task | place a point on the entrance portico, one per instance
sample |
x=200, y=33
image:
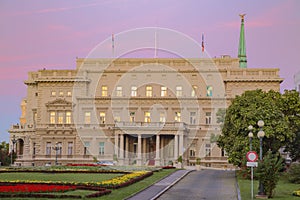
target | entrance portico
x=149, y=145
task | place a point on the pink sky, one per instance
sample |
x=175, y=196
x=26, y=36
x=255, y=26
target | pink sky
x=52, y=33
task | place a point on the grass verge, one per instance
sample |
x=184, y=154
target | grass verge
x=283, y=190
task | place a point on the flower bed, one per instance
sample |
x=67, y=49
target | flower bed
x=297, y=193
x=22, y=188
x=44, y=190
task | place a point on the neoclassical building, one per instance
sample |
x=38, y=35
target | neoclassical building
x=134, y=111
x=297, y=81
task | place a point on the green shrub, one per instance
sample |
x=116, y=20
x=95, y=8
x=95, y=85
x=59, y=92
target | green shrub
x=268, y=172
x=294, y=173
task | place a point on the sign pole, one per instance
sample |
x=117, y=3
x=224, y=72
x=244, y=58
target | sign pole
x=251, y=182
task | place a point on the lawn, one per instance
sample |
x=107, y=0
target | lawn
x=116, y=194
x=283, y=190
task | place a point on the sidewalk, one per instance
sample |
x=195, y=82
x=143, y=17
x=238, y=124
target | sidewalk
x=157, y=189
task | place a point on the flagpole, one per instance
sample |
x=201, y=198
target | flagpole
x=155, y=44
x=113, y=45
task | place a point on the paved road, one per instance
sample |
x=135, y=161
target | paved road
x=204, y=185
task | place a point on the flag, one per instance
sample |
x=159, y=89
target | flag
x=202, y=42
x=113, y=45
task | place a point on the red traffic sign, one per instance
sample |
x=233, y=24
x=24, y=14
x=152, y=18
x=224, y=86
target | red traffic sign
x=252, y=156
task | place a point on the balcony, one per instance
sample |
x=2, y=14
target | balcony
x=152, y=125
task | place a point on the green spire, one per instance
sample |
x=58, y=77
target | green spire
x=242, y=45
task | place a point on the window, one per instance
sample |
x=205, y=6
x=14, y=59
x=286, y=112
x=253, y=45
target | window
x=104, y=91
x=133, y=91
x=223, y=152
x=148, y=91
x=70, y=148
x=59, y=150
x=207, y=150
x=69, y=93
x=68, y=117
x=52, y=117
x=177, y=116
x=119, y=91
x=102, y=117
x=53, y=93
x=61, y=93
x=34, y=150
x=162, y=117
x=178, y=91
x=192, y=117
x=87, y=117
x=147, y=117
x=60, y=119
x=101, y=148
x=117, y=117
x=208, y=118
x=34, y=117
x=48, y=148
x=163, y=91
x=86, y=148
x=194, y=89
x=209, y=91
x=132, y=116
x=192, y=153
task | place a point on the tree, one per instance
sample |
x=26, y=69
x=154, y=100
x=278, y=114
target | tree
x=278, y=111
x=4, y=155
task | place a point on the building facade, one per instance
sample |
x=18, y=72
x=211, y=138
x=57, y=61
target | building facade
x=134, y=111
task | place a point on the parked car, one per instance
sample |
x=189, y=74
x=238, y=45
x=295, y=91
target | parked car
x=105, y=163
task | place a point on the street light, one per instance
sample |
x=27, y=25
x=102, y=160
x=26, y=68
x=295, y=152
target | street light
x=56, y=148
x=250, y=135
x=260, y=135
x=12, y=149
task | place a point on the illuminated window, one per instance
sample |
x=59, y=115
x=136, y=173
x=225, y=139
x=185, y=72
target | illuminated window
x=209, y=91
x=117, y=117
x=102, y=117
x=119, y=92
x=61, y=93
x=208, y=117
x=60, y=118
x=69, y=93
x=148, y=91
x=162, y=117
x=87, y=117
x=178, y=91
x=177, y=116
x=70, y=148
x=53, y=93
x=133, y=91
x=101, y=148
x=147, y=117
x=163, y=91
x=104, y=91
x=68, y=117
x=52, y=117
x=194, y=89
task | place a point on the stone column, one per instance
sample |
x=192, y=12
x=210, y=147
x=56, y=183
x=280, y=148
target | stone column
x=181, y=145
x=121, y=156
x=117, y=145
x=157, y=150
x=175, y=147
x=127, y=150
x=139, y=158
x=144, y=150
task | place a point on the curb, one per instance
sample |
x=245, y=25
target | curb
x=171, y=185
x=237, y=188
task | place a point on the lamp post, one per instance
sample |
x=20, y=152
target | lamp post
x=260, y=135
x=56, y=148
x=12, y=149
x=250, y=135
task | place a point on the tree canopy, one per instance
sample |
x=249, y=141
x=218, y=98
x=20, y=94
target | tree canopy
x=280, y=113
